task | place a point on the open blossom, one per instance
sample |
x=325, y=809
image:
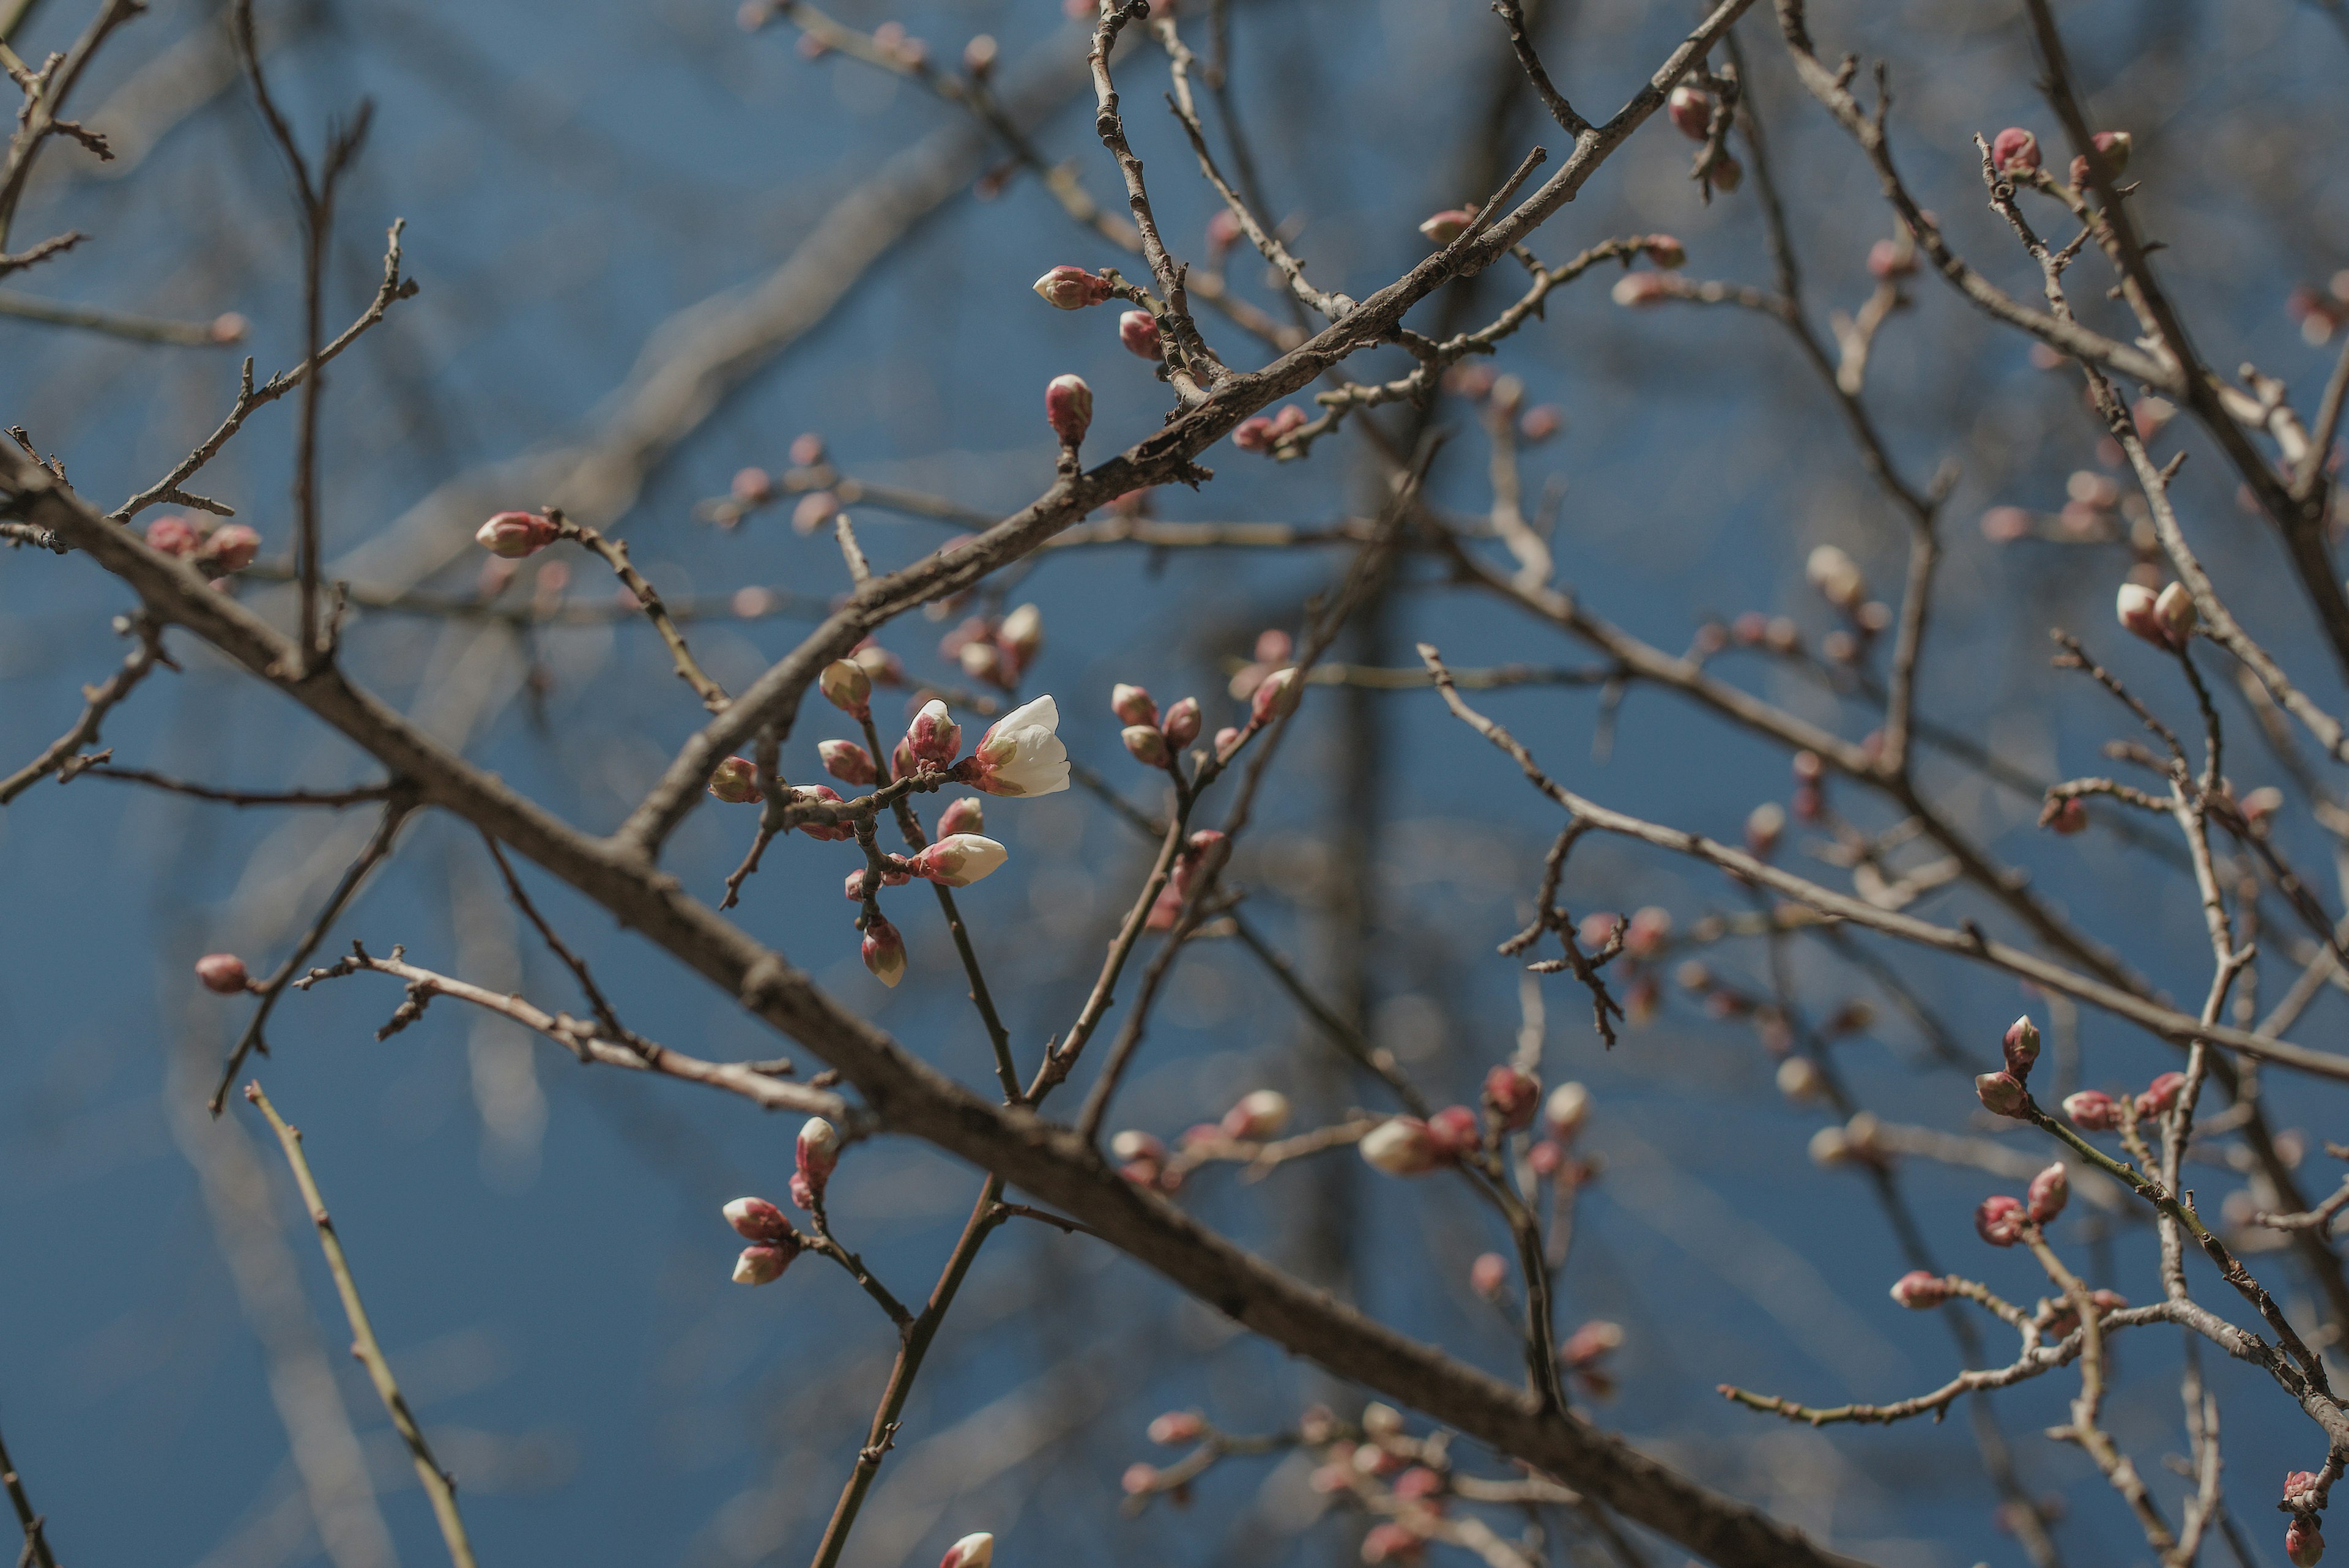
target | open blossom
x=514, y=534
x=1400, y=1146
x=976, y=1551
x=958, y=859
x=1020, y=753
x=1257, y=1116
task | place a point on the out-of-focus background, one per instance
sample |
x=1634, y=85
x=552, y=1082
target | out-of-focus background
x=654, y=248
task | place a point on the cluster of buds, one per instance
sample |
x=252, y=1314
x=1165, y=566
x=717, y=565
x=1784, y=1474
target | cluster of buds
x=2093, y=1110
x=1692, y=110
x=1074, y=288
x=774, y=1243
x=217, y=549
x=514, y=534
x=996, y=650
x=2303, y=1543
x=816, y=1154
x=2166, y=619
x=1154, y=738
x=223, y=973
x=1202, y=854
x=2001, y=1220
x=1407, y=1146
x=1265, y=432
x=2004, y=1093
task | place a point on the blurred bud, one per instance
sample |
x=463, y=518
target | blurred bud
x=1764, y=825
x=1454, y=1131
x=2048, y=1192
x=1177, y=1426
x=1511, y=1095
x=1447, y=226
x=1635, y=289
x=735, y=781
x=1546, y=1157
x=958, y=859
x=228, y=328
x=756, y=1219
x=1069, y=408
x=1690, y=109
x=1917, y=1290
x=971, y=1552
x=514, y=534
x=2000, y=1094
x=1259, y=1116
x=1181, y=725
x=2261, y=803
x=2161, y=1094
x=2000, y=1220
x=1400, y=1146
x=984, y=662
x=1135, y=1144
x=1837, y=576
x=2133, y=607
x=2005, y=525
x=1728, y=173
x=1665, y=251
x=1223, y=231
x=979, y=55
x=1071, y=288
x=222, y=972
x=1591, y=1340
x=847, y=762
x=1799, y=1079
x=2093, y=1110
x=1138, y=330
x=965, y=816
x=230, y=548
x=763, y=1265
x=2065, y=816
x=751, y=486
x=884, y=951
x=1890, y=259
x=815, y=509
x=1487, y=1275
x=1830, y=1147
x=1228, y=740
x=1146, y=745
x=2014, y=150
x=1568, y=1107
x=1382, y=1421
x=934, y=737
x=2174, y=608
x=174, y=535
x=1277, y=697
x=2022, y=1046
x=1541, y=422
x=846, y=686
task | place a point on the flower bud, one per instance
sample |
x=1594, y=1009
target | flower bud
x=2300, y=1488
x=1227, y=742
x=1400, y=1146
x=1021, y=635
x=1277, y=697
x=1392, y=1542
x=1591, y=1340
x=1727, y=173
x=933, y=736
x=1071, y=288
x=1177, y=1426
x=735, y=781
x=1146, y=744
x=1568, y=1107
x=174, y=535
x=847, y=762
x=222, y=972
x=1837, y=576
x=1181, y=725
x=228, y=327
x=1799, y=1079
x=756, y=1219
x=1069, y=408
x=1917, y=1290
x=2014, y=150
x=1511, y=1095
x=1487, y=1275
x=752, y=485
x=514, y=534
x=1447, y=226
x=971, y=1552
x=2174, y=608
x=2065, y=816
x=1454, y=1131
x=2048, y=1192
x=1665, y=251
x=2093, y=1110
x=1133, y=705
x=2022, y=1046
x=1134, y=1144
x=883, y=952
x=1257, y=1116
x=230, y=548
x=1690, y=108
x=2000, y=1220
x=2133, y=607
x=821, y=795
x=984, y=661
x=1541, y=422
x=1764, y=825
x=959, y=859
x=2002, y=1093
x=2302, y=1543
x=1635, y=289
x=1138, y=330
x=1892, y=259
x=2161, y=1094
x=846, y=686
x=965, y=816
x=2114, y=147
x=765, y=1265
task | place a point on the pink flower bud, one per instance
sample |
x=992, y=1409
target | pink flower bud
x=807, y=449
x=1727, y=173
x=1764, y=825
x=222, y=972
x=1799, y=1079
x=984, y=661
x=1454, y=1131
x=2022, y=1046
x=1138, y=330
x=2174, y=608
x=514, y=534
x=971, y=1552
x=1917, y=1290
x=756, y=1219
x=1487, y=1275
x=1447, y=226
x=815, y=509
x=1546, y=1158
x=2093, y=1110
x=1259, y=1115
x=959, y=859
x=1132, y=703
x=2048, y=1192
x=846, y=686
x=230, y=548
x=2000, y=1094
x=1181, y=725
x=2161, y=1094
x=1227, y=742
x=979, y=55
x=965, y=816
x=1541, y=422
x=1069, y=408
x=825, y=832
x=735, y=781
x=1177, y=1426
x=2303, y=1543
x=2114, y=147
x=902, y=763
x=1223, y=230
x=228, y=328
x=2014, y=150
x=763, y=1265
x=2000, y=1220
x=1892, y=259
x=884, y=951
x=174, y=535
x=1635, y=289
x=847, y=762
x=1146, y=745
x=1511, y=1095
x=1568, y=1107
x=752, y=486
x=1071, y=288
x=1690, y=108
x=933, y=736
x=2065, y=816
x=1277, y=697
x=1022, y=636
x=1254, y=434
x=1392, y=1542
x=1400, y=1146
x=1135, y=1144
x=2300, y=1488
x=1665, y=251
x=2133, y=607
x=1138, y=1478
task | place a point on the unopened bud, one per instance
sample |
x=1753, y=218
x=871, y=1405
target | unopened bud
x=1135, y=1144
x=1146, y=744
x=735, y=781
x=1069, y=408
x=2134, y=605
x=965, y=816
x=847, y=762
x=1071, y=288
x=979, y=55
x=1727, y=173
x=1568, y=1107
x=2161, y=1094
x=230, y=548
x=514, y=534
x=2093, y=1110
x=1487, y=1275
x=756, y=1219
x=1591, y=1340
x=1764, y=825
x=815, y=509
x=1635, y=289
x=174, y=535
x=1227, y=742
x=1799, y=1079
x=1892, y=259
x=1541, y=422
x=1690, y=108
x=2000, y=1220
x=1400, y=1146
x=1665, y=251
x=959, y=859
x=1448, y=225
x=2002, y=1093
x=1917, y=1290
x=2174, y=608
x=1277, y=697
x=884, y=951
x=1454, y=1131
x=763, y=1265
x=1257, y=1116
x=2022, y=1046
x=2065, y=816
x=1133, y=705
x=846, y=686
x=2114, y=147
x=2048, y=1192
x=817, y=1152
x=1512, y=1096
x=934, y=737
x=1181, y=725
x=971, y=1552
x=1021, y=635
x=1837, y=576
x=2014, y=150
x=2303, y=1543
x=751, y=486
x=1138, y=330
x=1177, y=1426
x=222, y=972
